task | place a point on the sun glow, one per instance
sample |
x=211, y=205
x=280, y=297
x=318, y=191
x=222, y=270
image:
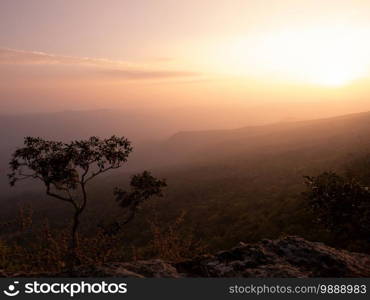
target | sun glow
x=324, y=56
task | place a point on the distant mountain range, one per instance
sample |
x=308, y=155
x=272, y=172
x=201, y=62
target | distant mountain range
x=326, y=137
x=153, y=148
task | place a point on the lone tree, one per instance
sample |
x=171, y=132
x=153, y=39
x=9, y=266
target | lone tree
x=341, y=204
x=65, y=169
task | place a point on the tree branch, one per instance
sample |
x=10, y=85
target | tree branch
x=93, y=175
x=69, y=200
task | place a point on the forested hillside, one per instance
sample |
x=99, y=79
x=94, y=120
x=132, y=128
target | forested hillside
x=225, y=186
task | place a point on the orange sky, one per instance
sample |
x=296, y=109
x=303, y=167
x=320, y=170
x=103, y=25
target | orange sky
x=163, y=54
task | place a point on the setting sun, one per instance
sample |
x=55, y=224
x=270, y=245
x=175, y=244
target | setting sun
x=331, y=56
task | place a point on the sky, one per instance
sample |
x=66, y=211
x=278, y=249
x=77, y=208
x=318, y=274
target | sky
x=168, y=54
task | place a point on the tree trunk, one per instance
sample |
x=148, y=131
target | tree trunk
x=76, y=223
x=74, y=259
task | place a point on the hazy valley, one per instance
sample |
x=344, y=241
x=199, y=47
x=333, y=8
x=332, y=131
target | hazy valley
x=232, y=185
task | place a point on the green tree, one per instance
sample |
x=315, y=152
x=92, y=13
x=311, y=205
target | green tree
x=66, y=169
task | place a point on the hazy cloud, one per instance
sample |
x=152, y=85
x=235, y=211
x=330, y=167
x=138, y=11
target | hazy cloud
x=135, y=74
x=111, y=68
x=12, y=56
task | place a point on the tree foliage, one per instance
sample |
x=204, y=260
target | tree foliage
x=339, y=203
x=142, y=187
x=66, y=166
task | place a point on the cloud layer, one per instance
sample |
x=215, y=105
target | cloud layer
x=109, y=68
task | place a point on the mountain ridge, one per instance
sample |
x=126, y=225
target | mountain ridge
x=207, y=145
